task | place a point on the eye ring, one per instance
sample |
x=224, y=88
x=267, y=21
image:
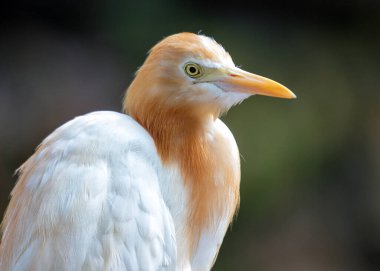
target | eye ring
x=193, y=70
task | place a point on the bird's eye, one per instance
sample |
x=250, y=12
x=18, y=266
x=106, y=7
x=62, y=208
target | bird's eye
x=193, y=70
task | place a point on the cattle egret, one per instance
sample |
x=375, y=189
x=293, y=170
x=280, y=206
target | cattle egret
x=153, y=189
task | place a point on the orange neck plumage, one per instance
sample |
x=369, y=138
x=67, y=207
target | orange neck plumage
x=180, y=135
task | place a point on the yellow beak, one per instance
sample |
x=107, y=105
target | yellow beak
x=237, y=80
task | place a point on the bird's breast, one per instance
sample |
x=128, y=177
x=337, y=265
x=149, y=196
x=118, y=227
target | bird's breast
x=203, y=199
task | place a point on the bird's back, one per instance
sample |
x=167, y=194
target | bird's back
x=90, y=199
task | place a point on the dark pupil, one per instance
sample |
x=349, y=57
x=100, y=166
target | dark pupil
x=192, y=70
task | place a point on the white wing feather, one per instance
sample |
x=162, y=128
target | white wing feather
x=90, y=199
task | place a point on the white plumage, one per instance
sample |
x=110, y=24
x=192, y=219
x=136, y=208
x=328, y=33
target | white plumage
x=90, y=199
x=95, y=196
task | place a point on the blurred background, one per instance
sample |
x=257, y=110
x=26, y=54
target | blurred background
x=310, y=167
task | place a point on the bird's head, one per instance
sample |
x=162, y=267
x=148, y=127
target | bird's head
x=195, y=73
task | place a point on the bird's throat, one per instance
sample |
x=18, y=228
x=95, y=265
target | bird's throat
x=186, y=139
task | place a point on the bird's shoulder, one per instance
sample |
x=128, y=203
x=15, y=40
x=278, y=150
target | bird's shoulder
x=106, y=130
x=90, y=198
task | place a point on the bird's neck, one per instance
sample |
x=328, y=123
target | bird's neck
x=185, y=138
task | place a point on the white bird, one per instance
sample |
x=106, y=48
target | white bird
x=152, y=190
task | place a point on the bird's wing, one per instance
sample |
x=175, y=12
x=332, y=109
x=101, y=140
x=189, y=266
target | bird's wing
x=90, y=199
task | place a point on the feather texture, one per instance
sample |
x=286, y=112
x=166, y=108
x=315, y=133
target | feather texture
x=89, y=199
x=95, y=196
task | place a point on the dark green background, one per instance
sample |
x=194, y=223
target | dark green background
x=311, y=167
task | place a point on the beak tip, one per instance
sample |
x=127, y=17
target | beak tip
x=289, y=94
